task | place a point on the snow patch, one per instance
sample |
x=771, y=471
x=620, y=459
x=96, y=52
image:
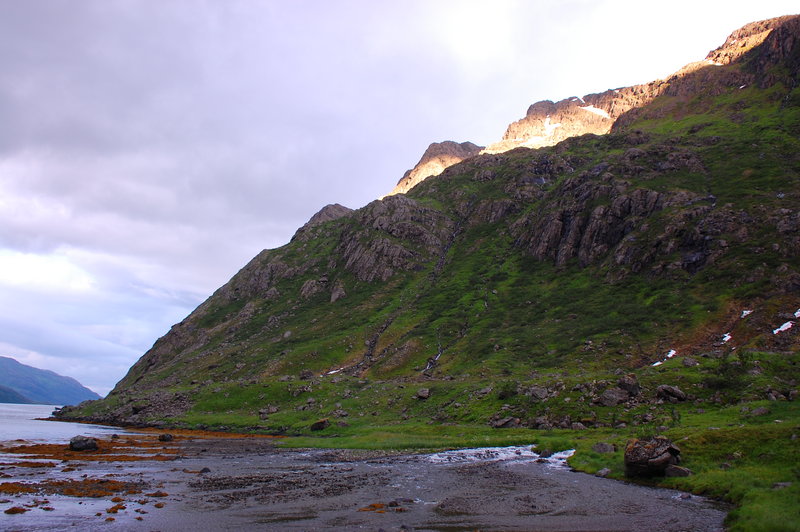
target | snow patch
x=785, y=327
x=669, y=355
x=746, y=313
x=726, y=337
x=334, y=371
x=597, y=111
x=797, y=313
x=714, y=63
x=743, y=86
x=549, y=128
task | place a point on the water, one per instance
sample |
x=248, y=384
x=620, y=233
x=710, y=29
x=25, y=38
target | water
x=19, y=422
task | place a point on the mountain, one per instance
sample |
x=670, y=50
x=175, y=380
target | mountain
x=516, y=287
x=39, y=386
x=7, y=395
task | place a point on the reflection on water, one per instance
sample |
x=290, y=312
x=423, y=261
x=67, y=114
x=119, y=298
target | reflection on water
x=20, y=422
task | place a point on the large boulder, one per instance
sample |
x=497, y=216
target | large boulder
x=673, y=394
x=82, y=443
x=613, y=397
x=649, y=458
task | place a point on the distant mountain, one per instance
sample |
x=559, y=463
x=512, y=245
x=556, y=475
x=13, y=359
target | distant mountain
x=34, y=385
x=7, y=395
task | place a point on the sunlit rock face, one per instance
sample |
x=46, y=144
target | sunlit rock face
x=437, y=157
x=547, y=123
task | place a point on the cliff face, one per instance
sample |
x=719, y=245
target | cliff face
x=613, y=247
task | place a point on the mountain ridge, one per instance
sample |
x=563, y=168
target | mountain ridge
x=41, y=386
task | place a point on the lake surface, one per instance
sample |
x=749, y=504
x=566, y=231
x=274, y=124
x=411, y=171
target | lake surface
x=19, y=422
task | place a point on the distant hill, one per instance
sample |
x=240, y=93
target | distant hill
x=7, y=395
x=24, y=384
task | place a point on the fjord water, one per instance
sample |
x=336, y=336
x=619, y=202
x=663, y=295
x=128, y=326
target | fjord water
x=24, y=422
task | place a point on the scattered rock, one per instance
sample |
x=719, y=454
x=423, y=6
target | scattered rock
x=264, y=413
x=338, y=291
x=781, y=485
x=306, y=374
x=423, y=393
x=538, y=393
x=647, y=458
x=82, y=443
x=603, y=473
x=630, y=384
x=603, y=447
x=677, y=471
x=165, y=437
x=505, y=423
x=613, y=397
x=320, y=424
x=689, y=362
x=205, y=470
x=673, y=394
x=760, y=411
x=577, y=426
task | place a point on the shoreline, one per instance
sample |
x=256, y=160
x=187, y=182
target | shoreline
x=237, y=483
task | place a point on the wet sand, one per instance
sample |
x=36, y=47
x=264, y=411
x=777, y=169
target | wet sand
x=250, y=484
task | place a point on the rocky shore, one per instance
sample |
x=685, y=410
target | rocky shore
x=215, y=483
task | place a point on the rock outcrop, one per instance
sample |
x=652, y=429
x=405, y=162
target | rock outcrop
x=328, y=213
x=438, y=157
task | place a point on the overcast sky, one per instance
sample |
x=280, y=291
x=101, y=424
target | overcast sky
x=149, y=149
